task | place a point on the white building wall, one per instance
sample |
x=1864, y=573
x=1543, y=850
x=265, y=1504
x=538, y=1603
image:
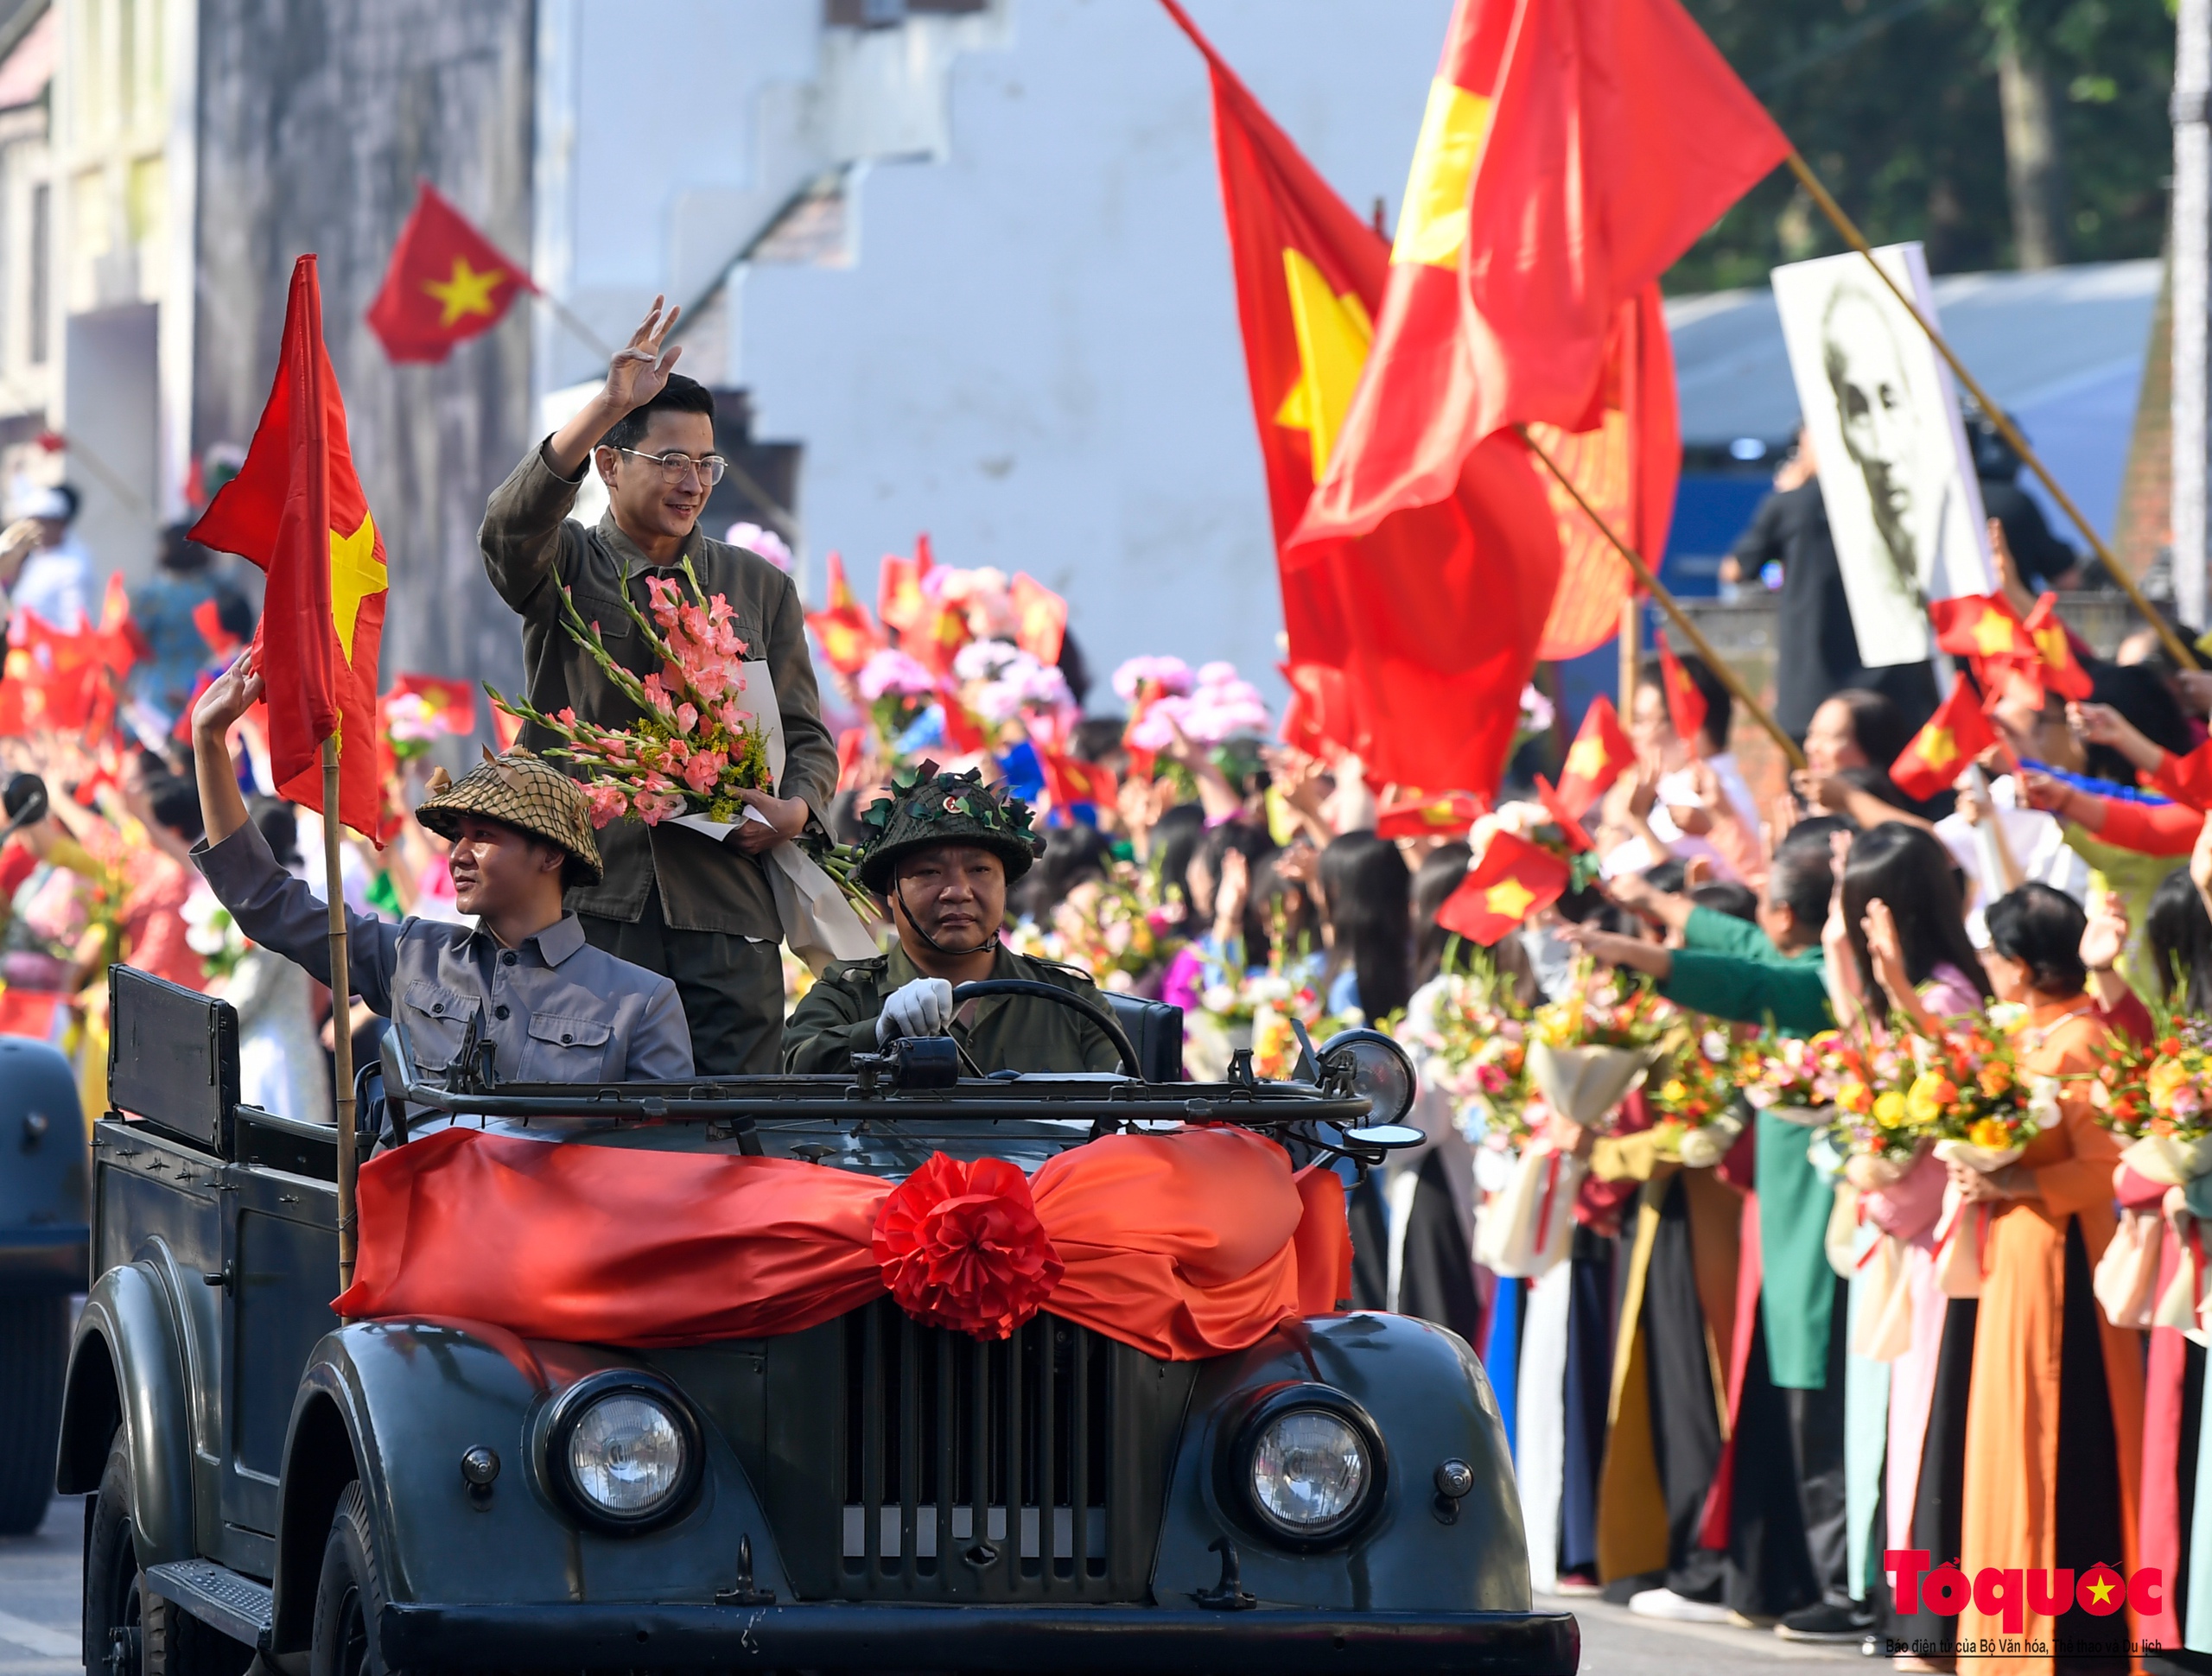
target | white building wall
x=1035, y=355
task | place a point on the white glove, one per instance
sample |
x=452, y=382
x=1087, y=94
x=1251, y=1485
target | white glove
x=923, y=1007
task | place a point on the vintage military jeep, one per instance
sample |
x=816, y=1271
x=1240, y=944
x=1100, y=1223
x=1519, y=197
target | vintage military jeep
x=868, y=1494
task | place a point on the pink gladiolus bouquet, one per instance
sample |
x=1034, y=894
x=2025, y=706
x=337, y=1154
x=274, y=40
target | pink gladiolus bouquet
x=695, y=748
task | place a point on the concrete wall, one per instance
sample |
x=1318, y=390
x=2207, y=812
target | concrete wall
x=315, y=119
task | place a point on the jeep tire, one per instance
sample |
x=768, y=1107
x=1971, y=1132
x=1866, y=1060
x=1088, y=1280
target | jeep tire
x=158, y=1637
x=349, y=1596
x=34, y=1351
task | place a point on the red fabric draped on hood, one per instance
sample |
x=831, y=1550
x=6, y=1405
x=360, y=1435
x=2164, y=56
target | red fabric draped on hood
x=1184, y=1246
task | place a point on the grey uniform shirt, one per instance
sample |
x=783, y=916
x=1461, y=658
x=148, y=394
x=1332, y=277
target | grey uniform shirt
x=556, y=1010
x=531, y=550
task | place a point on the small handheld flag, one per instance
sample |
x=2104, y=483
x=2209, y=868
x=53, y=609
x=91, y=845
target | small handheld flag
x=1601, y=752
x=1939, y=753
x=297, y=510
x=1513, y=880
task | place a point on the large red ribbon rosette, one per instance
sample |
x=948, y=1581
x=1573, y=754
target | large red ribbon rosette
x=961, y=1246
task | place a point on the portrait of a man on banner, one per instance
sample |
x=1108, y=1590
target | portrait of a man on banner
x=1896, y=474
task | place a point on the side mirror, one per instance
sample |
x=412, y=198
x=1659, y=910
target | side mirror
x=1373, y=1066
x=23, y=802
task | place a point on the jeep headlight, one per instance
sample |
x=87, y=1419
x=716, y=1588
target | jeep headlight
x=623, y=1450
x=1307, y=1466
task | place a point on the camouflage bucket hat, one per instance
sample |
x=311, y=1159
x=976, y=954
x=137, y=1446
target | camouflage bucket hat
x=526, y=792
x=926, y=808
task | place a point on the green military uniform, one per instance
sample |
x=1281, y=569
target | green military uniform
x=1001, y=1032
x=836, y=1019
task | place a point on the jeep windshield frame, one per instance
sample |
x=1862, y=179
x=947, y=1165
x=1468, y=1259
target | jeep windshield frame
x=1107, y=1099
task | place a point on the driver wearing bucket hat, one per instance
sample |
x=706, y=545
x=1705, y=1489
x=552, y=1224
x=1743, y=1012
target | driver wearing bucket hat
x=941, y=851
x=552, y=1007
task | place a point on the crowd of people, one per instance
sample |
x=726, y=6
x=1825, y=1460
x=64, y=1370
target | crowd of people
x=1816, y=1176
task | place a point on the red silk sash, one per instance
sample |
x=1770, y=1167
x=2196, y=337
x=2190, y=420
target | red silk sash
x=1185, y=1244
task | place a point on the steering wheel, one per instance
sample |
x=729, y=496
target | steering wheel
x=1105, y=1021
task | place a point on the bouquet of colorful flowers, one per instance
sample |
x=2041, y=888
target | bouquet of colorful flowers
x=1786, y=1078
x=1000, y=684
x=695, y=746
x=2157, y=1094
x=1102, y=927
x=211, y=934
x=1969, y=1093
x=1591, y=1047
x=1693, y=1107
x=1211, y=707
x=1859, y=1081
x=1254, y=1010
x=897, y=689
x=419, y=711
x=1476, y=1039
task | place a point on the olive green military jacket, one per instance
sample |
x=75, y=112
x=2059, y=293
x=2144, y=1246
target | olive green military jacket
x=837, y=1017
x=531, y=550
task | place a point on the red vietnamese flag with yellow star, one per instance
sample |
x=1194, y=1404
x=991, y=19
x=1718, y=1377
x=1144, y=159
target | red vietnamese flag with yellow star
x=1513, y=880
x=1040, y=618
x=843, y=629
x=2062, y=669
x=1570, y=151
x=1981, y=626
x=1957, y=734
x=1686, y=706
x=446, y=283
x=1601, y=752
x=297, y=510
x=1411, y=813
x=1309, y=274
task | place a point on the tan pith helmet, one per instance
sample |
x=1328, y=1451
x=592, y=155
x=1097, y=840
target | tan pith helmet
x=525, y=791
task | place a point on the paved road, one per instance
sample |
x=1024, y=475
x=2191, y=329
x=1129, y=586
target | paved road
x=39, y=1584
x=38, y=1597
x=1616, y=1642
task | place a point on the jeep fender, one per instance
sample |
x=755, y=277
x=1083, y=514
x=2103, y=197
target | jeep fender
x=1427, y=1395
x=398, y=1403
x=126, y=1369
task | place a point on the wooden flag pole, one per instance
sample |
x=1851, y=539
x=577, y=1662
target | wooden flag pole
x=1728, y=676
x=1631, y=650
x=1853, y=236
x=341, y=1013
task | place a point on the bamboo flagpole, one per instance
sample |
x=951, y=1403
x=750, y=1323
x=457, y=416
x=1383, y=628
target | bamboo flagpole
x=342, y=1008
x=1857, y=241
x=1680, y=619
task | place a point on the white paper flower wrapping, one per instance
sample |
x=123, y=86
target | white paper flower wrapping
x=2167, y=1160
x=1587, y=1084
x=1705, y=1146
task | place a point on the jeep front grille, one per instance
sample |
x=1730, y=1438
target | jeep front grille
x=1030, y=1469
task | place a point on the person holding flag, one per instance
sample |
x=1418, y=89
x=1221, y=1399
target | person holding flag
x=674, y=901
x=522, y=980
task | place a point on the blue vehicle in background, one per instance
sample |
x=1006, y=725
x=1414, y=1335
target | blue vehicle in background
x=45, y=1240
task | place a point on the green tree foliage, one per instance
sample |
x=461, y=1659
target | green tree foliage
x=1894, y=105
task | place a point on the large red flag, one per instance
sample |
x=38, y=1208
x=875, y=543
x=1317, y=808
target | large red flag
x=446, y=282
x=1571, y=150
x=1617, y=135
x=297, y=510
x=1433, y=620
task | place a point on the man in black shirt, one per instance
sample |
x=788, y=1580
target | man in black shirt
x=1816, y=645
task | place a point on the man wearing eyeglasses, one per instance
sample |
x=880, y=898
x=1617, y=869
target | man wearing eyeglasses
x=673, y=900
